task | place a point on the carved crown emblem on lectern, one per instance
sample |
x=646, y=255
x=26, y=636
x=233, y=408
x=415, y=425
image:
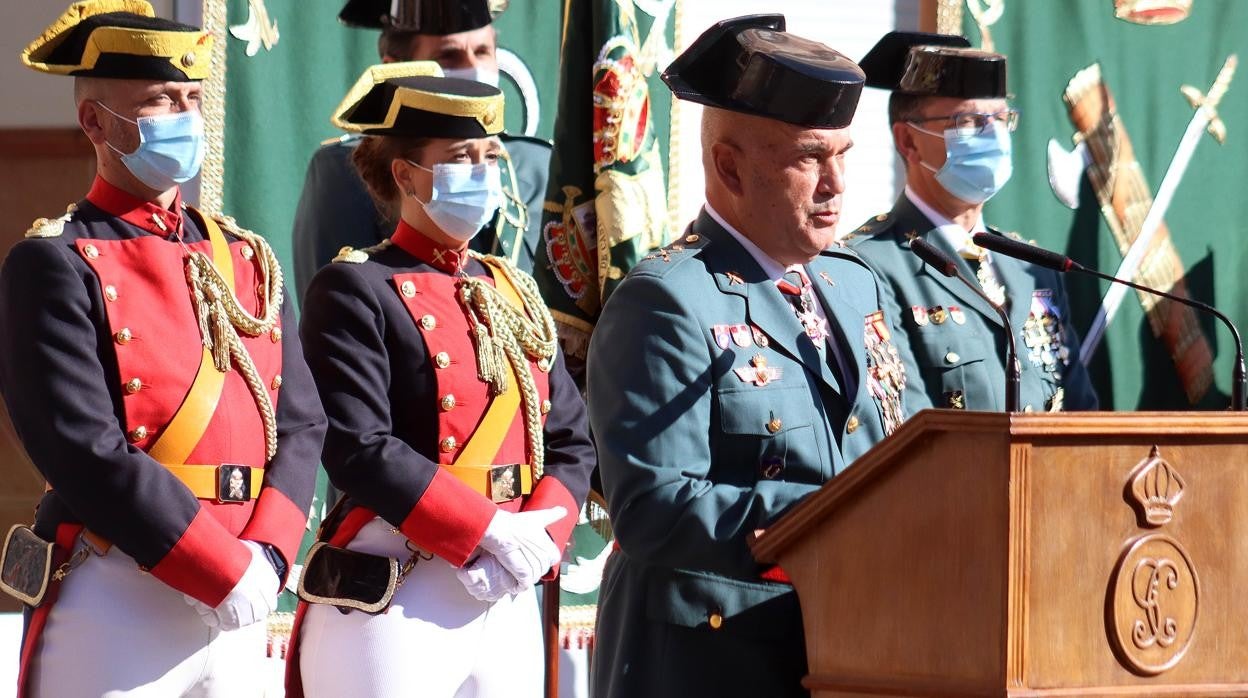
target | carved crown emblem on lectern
x=1155, y=489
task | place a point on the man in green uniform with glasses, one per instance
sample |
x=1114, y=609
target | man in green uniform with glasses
x=952, y=128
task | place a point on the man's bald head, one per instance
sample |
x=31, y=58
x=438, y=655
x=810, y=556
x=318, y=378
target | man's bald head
x=778, y=184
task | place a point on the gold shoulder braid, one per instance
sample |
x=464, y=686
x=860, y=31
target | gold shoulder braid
x=51, y=227
x=503, y=332
x=221, y=319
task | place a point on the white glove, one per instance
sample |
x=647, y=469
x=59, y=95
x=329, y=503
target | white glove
x=487, y=580
x=521, y=543
x=251, y=600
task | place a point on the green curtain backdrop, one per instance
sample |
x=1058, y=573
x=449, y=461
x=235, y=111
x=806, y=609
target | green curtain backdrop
x=1143, y=66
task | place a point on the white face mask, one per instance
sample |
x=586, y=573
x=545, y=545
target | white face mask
x=465, y=197
x=489, y=77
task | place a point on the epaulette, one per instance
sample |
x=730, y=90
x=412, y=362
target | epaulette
x=350, y=255
x=869, y=228
x=51, y=227
x=678, y=250
x=1016, y=236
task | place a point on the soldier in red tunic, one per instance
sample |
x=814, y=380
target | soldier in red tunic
x=148, y=377
x=456, y=434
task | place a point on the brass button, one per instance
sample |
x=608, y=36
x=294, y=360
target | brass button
x=545, y=406
x=952, y=357
x=715, y=620
x=247, y=252
x=428, y=322
x=442, y=359
x=447, y=403
x=774, y=425
x=123, y=336
x=138, y=433
x=134, y=385
x=277, y=381
x=447, y=445
x=691, y=238
x=90, y=251
x=188, y=59
x=852, y=425
x=110, y=292
x=276, y=335
x=882, y=217
x=543, y=365
x=408, y=289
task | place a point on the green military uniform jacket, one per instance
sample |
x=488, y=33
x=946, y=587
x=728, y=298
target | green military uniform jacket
x=335, y=209
x=956, y=340
x=696, y=453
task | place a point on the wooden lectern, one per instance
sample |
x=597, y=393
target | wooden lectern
x=989, y=554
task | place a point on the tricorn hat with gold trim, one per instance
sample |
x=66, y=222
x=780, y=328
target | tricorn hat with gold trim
x=440, y=17
x=936, y=65
x=120, y=39
x=752, y=65
x=413, y=99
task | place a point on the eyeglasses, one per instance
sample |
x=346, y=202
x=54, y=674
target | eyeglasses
x=975, y=123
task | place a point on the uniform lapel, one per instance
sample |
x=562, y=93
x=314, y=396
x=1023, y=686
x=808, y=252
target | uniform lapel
x=736, y=273
x=847, y=309
x=910, y=219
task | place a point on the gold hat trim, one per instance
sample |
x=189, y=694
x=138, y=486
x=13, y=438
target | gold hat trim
x=189, y=52
x=487, y=111
x=72, y=17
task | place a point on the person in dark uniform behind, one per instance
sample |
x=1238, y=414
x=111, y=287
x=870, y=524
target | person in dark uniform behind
x=335, y=209
x=457, y=437
x=952, y=129
x=734, y=372
x=145, y=365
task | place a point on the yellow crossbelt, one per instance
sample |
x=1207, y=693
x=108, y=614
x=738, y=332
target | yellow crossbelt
x=483, y=446
x=188, y=425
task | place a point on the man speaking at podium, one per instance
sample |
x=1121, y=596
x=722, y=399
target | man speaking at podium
x=733, y=373
x=952, y=128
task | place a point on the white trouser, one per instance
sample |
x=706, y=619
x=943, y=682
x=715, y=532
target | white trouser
x=435, y=641
x=116, y=631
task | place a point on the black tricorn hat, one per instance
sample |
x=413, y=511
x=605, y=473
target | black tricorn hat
x=412, y=99
x=752, y=65
x=439, y=17
x=937, y=65
x=120, y=39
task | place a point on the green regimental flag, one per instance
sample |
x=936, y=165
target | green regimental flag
x=606, y=203
x=1069, y=60
x=287, y=65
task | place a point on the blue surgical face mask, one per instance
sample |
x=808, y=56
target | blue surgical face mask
x=476, y=72
x=465, y=197
x=976, y=166
x=171, y=148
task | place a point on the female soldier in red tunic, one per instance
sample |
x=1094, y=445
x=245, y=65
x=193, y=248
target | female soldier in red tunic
x=456, y=435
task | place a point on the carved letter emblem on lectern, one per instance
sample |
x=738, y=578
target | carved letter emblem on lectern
x=1154, y=593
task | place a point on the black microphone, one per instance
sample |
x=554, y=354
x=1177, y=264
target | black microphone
x=1062, y=263
x=945, y=264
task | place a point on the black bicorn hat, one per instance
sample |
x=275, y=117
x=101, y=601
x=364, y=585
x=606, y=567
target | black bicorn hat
x=120, y=39
x=440, y=17
x=413, y=100
x=752, y=65
x=936, y=65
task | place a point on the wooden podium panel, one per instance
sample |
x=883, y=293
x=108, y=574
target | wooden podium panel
x=986, y=554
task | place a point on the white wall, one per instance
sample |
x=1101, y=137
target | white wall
x=849, y=26
x=29, y=99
